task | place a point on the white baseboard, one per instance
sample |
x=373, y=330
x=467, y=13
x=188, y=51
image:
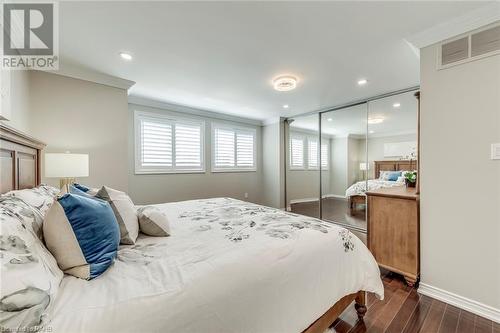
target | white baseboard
x=464, y=303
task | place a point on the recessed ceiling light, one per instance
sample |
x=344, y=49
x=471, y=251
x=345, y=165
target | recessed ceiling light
x=329, y=119
x=396, y=105
x=285, y=106
x=362, y=82
x=285, y=83
x=126, y=56
x=371, y=132
x=375, y=120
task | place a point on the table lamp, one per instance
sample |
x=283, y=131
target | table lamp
x=363, y=166
x=67, y=167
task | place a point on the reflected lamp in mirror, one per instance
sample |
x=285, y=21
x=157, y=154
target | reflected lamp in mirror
x=67, y=167
x=363, y=166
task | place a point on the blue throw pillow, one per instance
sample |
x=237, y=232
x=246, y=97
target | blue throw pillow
x=393, y=176
x=81, y=187
x=83, y=235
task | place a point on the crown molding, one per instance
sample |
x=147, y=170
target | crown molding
x=87, y=74
x=272, y=121
x=475, y=19
x=143, y=101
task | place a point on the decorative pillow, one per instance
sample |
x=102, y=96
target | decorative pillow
x=30, y=277
x=125, y=213
x=40, y=197
x=401, y=179
x=82, y=234
x=86, y=189
x=390, y=175
x=153, y=222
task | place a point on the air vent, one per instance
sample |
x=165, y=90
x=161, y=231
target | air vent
x=475, y=45
x=455, y=51
x=485, y=41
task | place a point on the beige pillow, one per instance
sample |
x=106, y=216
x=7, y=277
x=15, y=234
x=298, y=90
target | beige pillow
x=153, y=222
x=125, y=213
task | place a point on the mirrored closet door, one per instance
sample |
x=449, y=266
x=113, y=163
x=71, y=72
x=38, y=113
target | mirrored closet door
x=303, y=165
x=341, y=154
x=345, y=169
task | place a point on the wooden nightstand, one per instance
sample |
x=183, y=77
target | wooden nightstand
x=394, y=230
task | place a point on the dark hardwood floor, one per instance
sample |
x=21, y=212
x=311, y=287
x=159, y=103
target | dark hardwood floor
x=334, y=209
x=403, y=310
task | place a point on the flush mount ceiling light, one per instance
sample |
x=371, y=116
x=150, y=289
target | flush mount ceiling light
x=126, y=56
x=362, y=82
x=329, y=119
x=396, y=105
x=285, y=83
x=285, y=106
x=373, y=121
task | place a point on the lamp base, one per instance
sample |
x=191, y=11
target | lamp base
x=64, y=183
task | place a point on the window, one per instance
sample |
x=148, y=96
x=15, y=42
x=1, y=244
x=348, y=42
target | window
x=312, y=153
x=296, y=152
x=304, y=152
x=168, y=144
x=324, y=156
x=233, y=148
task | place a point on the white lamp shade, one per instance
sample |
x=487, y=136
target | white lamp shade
x=363, y=166
x=65, y=165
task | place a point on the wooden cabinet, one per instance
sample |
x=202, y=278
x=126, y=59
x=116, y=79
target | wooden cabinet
x=393, y=230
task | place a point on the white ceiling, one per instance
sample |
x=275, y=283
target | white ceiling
x=222, y=56
x=352, y=121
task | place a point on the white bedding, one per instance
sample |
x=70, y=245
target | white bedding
x=359, y=188
x=229, y=266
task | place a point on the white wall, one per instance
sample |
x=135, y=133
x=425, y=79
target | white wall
x=460, y=185
x=82, y=117
x=273, y=165
x=146, y=189
x=16, y=108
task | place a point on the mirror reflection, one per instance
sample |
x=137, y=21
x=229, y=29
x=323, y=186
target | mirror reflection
x=368, y=147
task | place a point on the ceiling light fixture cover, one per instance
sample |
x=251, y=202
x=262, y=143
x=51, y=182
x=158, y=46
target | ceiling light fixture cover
x=375, y=120
x=285, y=83
x=126, y=56
x=362, y=82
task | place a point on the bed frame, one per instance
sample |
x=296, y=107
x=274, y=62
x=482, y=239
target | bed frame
x=19, y=160
x=20, y=169
x=398, y=165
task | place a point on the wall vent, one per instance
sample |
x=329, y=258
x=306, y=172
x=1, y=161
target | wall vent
x=475, y=45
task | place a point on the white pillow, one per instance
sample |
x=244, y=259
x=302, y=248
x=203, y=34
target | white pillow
x=125, y=213
x=40, y=197
x=153, y=222
x=401, y=179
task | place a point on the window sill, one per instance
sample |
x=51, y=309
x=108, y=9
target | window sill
x=158, y=172
x=233, y=170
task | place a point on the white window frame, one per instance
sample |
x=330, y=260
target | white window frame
x=139, y=169
x=236, y=129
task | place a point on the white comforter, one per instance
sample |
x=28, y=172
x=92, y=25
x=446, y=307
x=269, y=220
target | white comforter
x=359, y=188
x=229, y=266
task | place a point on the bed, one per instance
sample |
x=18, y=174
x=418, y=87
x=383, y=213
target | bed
x=229, y=266
x=356, y=192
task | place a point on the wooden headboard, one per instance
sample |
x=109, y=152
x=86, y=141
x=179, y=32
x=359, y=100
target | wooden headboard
x=394, y=166
x=19, y=160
